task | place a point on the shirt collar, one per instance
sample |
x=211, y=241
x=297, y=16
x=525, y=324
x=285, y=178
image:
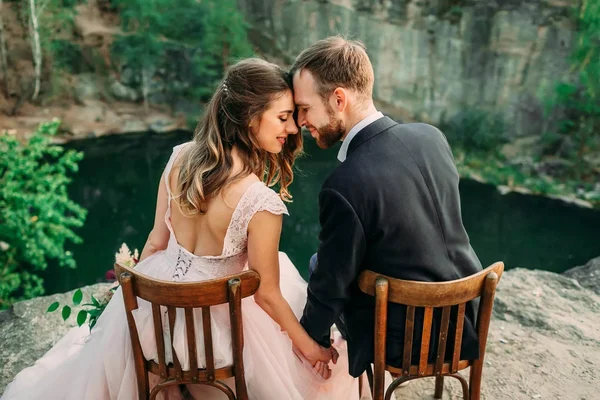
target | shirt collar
x=343, y=152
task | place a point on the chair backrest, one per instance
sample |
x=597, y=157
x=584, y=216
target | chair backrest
x=188, y=296
x=430, y=295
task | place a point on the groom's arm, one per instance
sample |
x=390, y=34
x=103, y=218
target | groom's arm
x=340, y=255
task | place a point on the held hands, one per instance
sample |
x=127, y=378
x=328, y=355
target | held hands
x=318, y=357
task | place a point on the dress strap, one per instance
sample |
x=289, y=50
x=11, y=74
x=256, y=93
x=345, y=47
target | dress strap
x=176, y=150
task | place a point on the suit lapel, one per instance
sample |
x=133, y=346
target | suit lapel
x=370, y=131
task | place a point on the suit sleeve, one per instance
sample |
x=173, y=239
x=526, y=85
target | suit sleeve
x=340, y=255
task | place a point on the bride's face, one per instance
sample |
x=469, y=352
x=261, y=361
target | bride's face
x=276, y=123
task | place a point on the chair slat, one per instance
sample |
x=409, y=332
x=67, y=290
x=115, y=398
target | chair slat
x=408, y=338
x=460, y=320
x=172, y=311
x=426, y=336
x=237, y=336
x=191, y=337
x=160, y=340
x=381, y=306
x=441, y=353
x=208, y=343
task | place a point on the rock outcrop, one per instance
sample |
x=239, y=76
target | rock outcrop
x=544, y=341
x=435, y=58
x=587, y=275
x=27, y=331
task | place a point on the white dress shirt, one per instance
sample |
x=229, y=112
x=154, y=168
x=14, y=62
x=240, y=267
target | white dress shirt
x=355, y=129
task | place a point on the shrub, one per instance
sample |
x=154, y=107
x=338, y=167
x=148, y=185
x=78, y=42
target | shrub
x=475, y=130
x=36, y=215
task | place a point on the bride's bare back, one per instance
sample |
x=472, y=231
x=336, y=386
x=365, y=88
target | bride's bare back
x=204, y=234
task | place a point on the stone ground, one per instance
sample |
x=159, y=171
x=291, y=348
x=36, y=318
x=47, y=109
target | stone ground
x=544, y=340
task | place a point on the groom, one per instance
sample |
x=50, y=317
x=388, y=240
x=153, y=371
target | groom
x=391, y=206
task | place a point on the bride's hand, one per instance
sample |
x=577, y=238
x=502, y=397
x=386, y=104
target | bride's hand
x=319, y=367
x=315, y=353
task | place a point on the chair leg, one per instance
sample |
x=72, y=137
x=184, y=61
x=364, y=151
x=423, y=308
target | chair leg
x=475, y=380
x=439, y=387
x=360, y=385
x=370, y=378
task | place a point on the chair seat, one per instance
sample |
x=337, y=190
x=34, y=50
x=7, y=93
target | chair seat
x=220, y=374
x=414, y=369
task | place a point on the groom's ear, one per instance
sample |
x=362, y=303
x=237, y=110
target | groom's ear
x=340, y=97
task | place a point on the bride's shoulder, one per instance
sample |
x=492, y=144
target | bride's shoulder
x=256, y=196
x=177, y=149
x=268, y=199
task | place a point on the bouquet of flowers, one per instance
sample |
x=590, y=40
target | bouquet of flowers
x=100, y=301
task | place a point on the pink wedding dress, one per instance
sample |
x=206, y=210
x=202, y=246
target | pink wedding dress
x=100, y=366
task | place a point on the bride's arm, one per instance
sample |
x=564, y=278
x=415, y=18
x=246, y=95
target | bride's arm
x=264, y=231
x=158, y=239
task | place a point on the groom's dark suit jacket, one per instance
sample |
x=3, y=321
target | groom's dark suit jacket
x=392, y=207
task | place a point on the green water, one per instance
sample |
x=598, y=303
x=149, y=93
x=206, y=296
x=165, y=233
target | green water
x=118, y=180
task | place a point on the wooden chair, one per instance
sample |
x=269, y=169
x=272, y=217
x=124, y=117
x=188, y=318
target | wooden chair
x=429, y=295
x=187, y=296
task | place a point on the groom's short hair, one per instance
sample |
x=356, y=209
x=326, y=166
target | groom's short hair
x=337, y=62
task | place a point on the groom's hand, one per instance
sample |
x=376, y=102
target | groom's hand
x=334, y=353
x=317, y=353
x=320, y=366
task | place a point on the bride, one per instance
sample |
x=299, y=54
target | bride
x=216, y=215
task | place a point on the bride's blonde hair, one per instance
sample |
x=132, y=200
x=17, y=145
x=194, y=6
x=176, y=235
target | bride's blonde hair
x=205, y=166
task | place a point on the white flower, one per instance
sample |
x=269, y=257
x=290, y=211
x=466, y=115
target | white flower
x=124, y=256
x=4, y=246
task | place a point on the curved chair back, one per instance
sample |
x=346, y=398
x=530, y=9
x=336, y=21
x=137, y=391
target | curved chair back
x=173, y=295
x=431, y=295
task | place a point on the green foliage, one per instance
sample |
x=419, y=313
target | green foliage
x=492, y=168
x=577, y=100
x=37, y=217
x=57, y=30
x=475, y=130
x=94, y=310
x=204, y=37
x=224, y=40
x=55, y=19
x=143, y=21
x=66, y=55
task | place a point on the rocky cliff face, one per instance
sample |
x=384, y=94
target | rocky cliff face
x=435, y=58
x=544, y=341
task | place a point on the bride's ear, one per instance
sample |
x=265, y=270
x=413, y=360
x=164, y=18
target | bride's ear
x=253, y=125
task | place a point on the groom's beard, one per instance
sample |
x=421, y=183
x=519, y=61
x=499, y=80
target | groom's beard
x=331, y=133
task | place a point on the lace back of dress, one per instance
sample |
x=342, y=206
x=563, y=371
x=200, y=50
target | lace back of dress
x=258, y=197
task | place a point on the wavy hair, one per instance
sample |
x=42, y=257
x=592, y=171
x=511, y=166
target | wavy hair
x=244, y=94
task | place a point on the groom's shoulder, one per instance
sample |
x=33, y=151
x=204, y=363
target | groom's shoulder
x=345, y=178
x=419, y=132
